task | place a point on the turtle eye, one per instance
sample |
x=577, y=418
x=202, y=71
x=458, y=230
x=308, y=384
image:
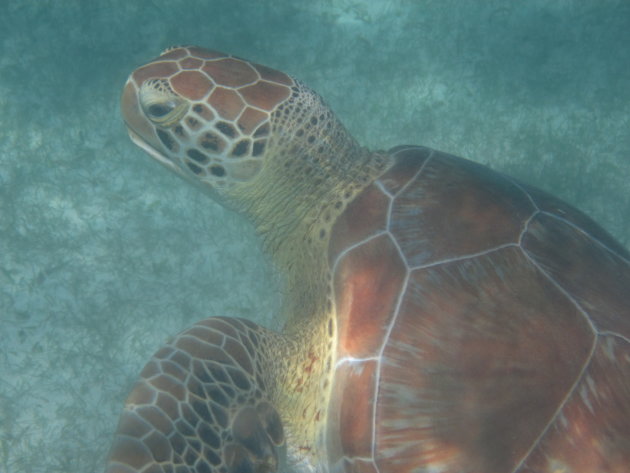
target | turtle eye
x=160, y=104
x=160, y=110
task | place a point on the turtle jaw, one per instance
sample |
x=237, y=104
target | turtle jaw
x=171, y=166
x=154, y=153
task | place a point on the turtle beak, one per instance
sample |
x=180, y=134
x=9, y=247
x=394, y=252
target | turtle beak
x=151, y=151
x=140, y=129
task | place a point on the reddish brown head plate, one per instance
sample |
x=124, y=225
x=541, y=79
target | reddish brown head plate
x=204, y=114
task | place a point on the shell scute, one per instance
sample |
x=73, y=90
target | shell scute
x=477, y=352
x=455, y=207
x=505, y=313
x=554, y=206
x=592, y=418
x=363, y=217
x=350, y=426
x=409, y=161
x=368, y=283
x=571, y=257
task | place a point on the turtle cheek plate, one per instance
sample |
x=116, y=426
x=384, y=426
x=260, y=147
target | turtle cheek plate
x=203, y=184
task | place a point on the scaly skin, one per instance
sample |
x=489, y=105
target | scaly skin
x=264, y=144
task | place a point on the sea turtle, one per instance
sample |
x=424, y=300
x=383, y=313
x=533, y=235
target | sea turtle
x=441, y=317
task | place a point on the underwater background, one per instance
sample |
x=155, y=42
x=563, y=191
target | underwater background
x=104, y=254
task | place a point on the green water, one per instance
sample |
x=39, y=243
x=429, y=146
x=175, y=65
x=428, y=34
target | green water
x=103, y=254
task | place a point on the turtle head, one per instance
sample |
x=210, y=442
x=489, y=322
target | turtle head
x=216, y=119
x=259, y=141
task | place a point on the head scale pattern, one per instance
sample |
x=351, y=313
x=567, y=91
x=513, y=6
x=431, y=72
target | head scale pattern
x=208, y=112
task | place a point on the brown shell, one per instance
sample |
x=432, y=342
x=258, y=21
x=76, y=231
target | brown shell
x=484, y=326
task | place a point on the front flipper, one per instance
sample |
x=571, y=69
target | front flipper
x=202, y=405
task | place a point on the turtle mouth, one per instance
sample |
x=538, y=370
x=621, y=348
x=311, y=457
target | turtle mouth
x=151, y=151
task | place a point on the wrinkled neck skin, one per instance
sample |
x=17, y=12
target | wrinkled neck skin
x=316, y=170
